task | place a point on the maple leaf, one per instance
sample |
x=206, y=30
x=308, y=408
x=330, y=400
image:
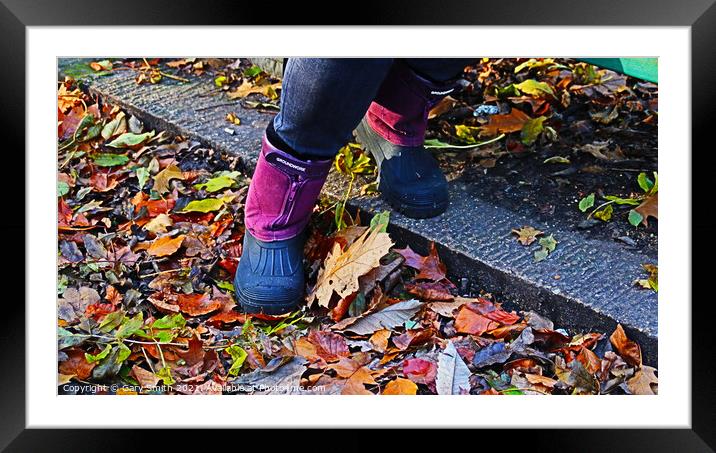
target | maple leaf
x=329, y=345
x=161, y=180
x=431, y=268
x=644, y=381
x=341, y=270
x=412, y=259
x=467, y=321
x=527, y=235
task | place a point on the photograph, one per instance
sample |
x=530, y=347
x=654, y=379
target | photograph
x=272, y=225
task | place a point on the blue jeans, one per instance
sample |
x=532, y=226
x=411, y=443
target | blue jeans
x=324, y=99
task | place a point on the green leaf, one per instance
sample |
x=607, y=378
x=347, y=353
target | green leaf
x=380, y=221
x=586, y=202
x=531, y=130
x=556, y=160
x=604, y=214
x=170, y=322
x=62, y=188
x=226, y=285
x=66, y=339
x=205, y=205
x=123, y=353
x=110, y=160
x=621, y=201
x=635, y=218
x=338, y=219
x=548, y=243
x=142, y=176
x=467, y=133
x=644, y=182
x=535, y=88
x=541, y=254
x=165, y=374
x=129, y=139
x=253, y=71
x=111, y=321
x=220, y=81
x=130, y=326
x=91, y=358
x=238, y=355
x=92, y=132
x=219, y=182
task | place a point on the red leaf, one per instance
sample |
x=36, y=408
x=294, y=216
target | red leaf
x=329, y=346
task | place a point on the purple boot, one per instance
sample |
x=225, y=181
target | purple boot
x=393, y=130
x=282, y=194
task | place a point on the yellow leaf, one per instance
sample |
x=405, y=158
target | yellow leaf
x=165, y=245
x=341, y=270
x=161, y=180
x=400, y=386
x=159, y=224
x=247, y=88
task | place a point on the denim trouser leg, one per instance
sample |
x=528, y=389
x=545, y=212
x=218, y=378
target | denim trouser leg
x=324, y=99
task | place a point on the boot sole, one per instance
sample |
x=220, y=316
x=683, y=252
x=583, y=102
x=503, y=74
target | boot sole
x=415, y=211
x=252, y=307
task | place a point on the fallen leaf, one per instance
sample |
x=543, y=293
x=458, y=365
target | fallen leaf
x=400, y=386
x=379, y=340
x=145, y=378
x=467, y=321
x=629, y=350
x=159, y=224
x=329, y=345
x=197, y=304
x=76, y=364
x=527, y=234
x=505, y=123
x=413, y=337
x=431, y=268
x=644, y=381
x=412, y=259
x=342, y=269
x=649, y=208
x=420, y=371
x=355, y=385
x=165, y=245
x=453, y=374
x=387, y=318
x=429, y=291
x=161, y=179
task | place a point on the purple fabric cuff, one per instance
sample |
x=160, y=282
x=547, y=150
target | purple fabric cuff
x=399, y=112
x=282, y=193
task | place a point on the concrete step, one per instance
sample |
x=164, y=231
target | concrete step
x=585, y=284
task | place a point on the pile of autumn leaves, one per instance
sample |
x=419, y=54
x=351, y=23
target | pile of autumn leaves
x=146, y=255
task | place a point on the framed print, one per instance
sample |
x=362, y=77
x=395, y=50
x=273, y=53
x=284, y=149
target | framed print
x=422, y=218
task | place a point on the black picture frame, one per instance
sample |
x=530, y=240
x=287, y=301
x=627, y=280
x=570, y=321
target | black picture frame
x=699, y=15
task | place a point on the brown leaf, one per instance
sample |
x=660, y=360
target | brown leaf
x=644, y=382
x=329, y=345
x=161, y=180
x=431, y=268
x=400, y=386
x=589, y=359
x=379, y=340
x=467, y=321
x=165, y=306
x=649, y=208
x=102, y=182
x=413, y=337
x=197, y=304
x=165, y=245
x=345, y=367
x=355, y=385
x=76, y=364
x=145, y=378
x=430, y=291
x=629, y=350
x=447, y=309
x=342, y=269
x=527, y=235
x=504, y=123
x=445, y=105
x=195, y=353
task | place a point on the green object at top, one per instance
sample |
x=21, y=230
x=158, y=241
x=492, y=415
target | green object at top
x=641, y=68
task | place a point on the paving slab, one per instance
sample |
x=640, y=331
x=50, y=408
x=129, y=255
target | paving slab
x=585, y=284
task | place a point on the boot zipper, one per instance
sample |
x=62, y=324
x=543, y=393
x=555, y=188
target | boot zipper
x=288, y=206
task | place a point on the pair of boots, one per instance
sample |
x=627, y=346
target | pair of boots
x=284, y=189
